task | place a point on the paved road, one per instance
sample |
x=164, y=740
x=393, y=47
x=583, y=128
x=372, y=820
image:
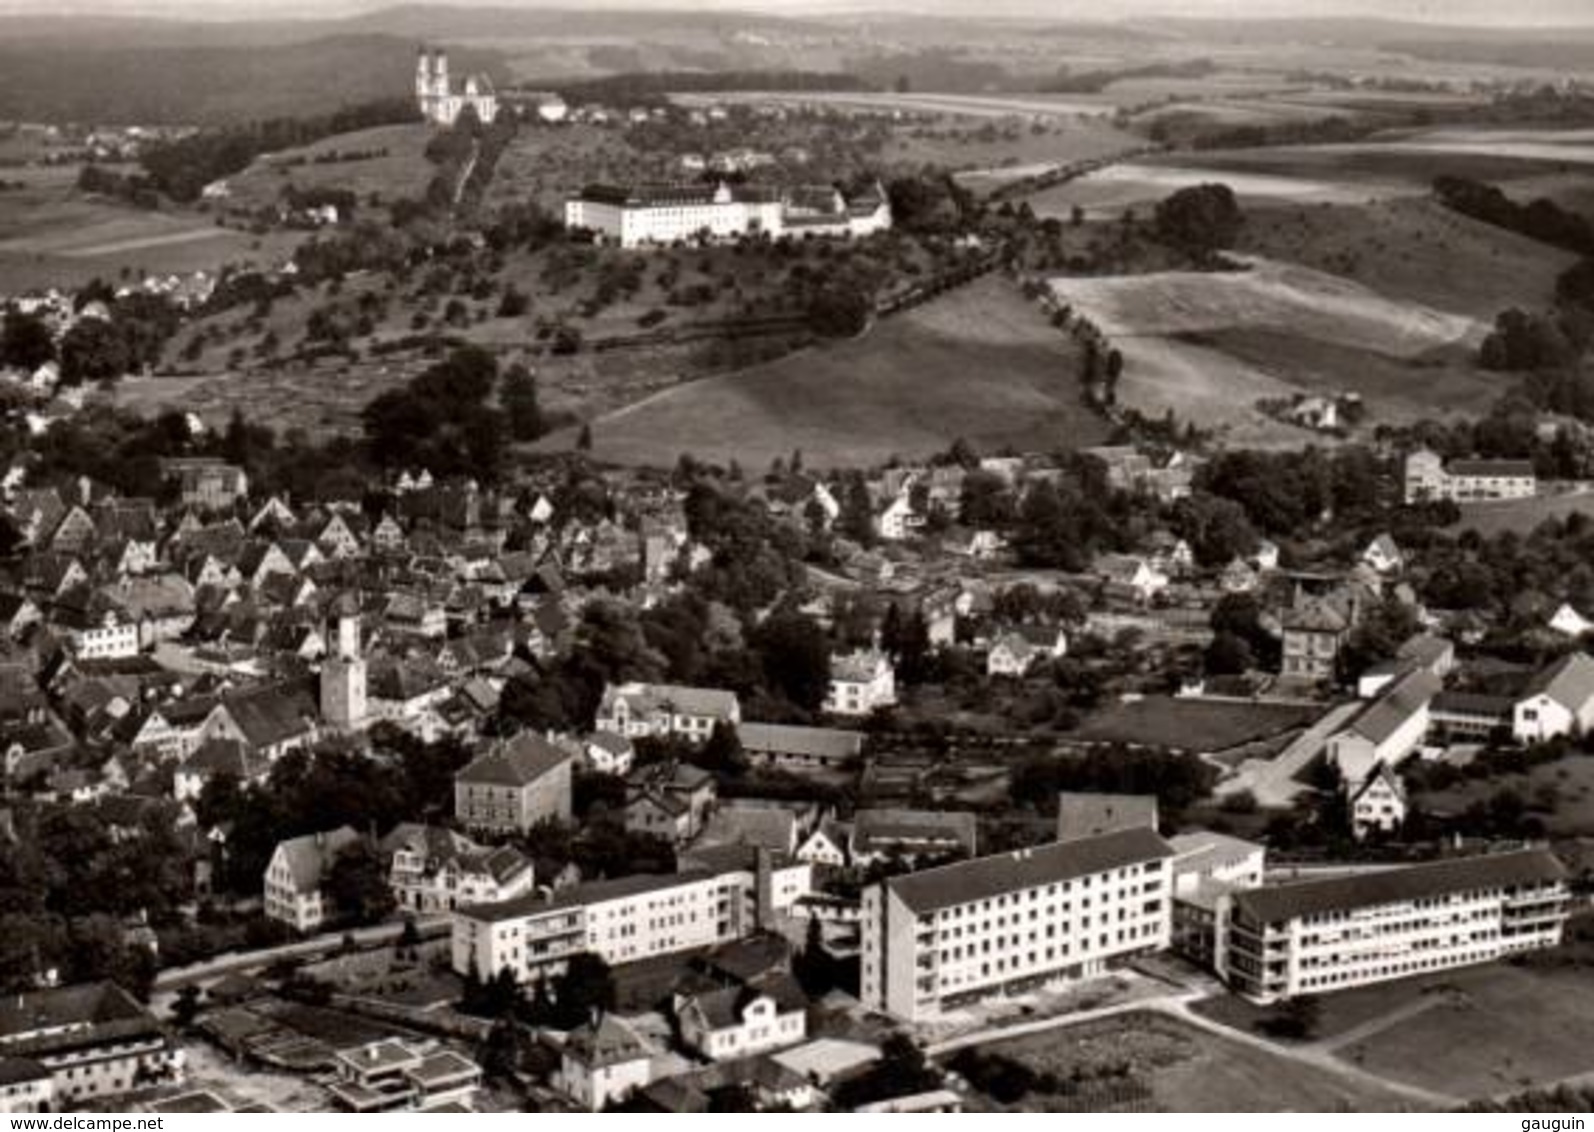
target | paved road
x=1272, y=781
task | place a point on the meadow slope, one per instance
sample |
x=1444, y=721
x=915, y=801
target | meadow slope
x=980, y=363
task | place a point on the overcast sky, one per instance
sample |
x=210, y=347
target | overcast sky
x=1519, y=13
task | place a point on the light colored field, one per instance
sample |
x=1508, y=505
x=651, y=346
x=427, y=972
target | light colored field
x=988, y=163
x=1139, y=185
x=957, y=105
x=1522, y=515
x=1313, y=304
x=53, y=235
x=1393, y=166
x=1208, y=346
x=980, y=363
x=403, y=172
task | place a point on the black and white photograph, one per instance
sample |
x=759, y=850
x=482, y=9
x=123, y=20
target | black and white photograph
x=796, y=556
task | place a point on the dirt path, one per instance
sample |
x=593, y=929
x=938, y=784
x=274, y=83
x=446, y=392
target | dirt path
x=1383, y=1022
x=1309, y=1055
x=1177, y=1006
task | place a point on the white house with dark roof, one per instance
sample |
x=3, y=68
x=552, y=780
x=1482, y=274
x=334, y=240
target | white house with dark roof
x=604, y=1060
x=637, y=711
x=437, y=870
x=860, y=683
x=1379, y=803
x=1558, y=701
x=514, y=785
x=296, y=877
x=93, y=1041
x=1020, y=648
x=1387, y=730
x=743, y=1019
x=1002, y=924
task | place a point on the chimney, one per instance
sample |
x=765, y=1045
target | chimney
x=763, y=890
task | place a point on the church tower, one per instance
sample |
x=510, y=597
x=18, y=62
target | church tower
x=343, y=690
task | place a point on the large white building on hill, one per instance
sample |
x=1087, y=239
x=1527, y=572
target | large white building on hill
x=664, y=214
x=440, y=104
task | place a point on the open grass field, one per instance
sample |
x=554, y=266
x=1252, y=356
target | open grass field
x=1522, y=515
x=1208, y=346
x=986, y=162
x=928, y=104
x=1191, y=725
x=1413, y=250
x=1500, y=1030
x=981, y=363
x=1175, y=1067
x=1389, y=166
x=53, y=235
x=321, y=401
x=402, y=172
x=1561, y=794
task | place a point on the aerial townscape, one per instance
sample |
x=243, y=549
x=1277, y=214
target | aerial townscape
x=585, y=560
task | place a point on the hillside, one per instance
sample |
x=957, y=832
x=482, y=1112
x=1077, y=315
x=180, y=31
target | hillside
x=54, y=81
x=1412, y=249
x=1209, y=346
x=980, y=363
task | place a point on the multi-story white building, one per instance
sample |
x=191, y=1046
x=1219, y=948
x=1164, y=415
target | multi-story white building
x=92, y=1041
x=664, y=214
x=437, y=870
x=295, y=878
x=976, y=929
x=1429, y=478
x=861, y=682
x=623, y=920
x=1314, y=936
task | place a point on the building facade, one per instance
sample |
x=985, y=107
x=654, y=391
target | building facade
x=1429, y=479
x=623, y=920
x=92, y=1040
x=440, y=104
x=1314, y=936
x=935, y=939
x=666, y=214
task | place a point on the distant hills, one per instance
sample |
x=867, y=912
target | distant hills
x=117, y=69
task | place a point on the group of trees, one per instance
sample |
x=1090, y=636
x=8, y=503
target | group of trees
x=1177, y=780
x=320, y=790
x=69, y=885
x=442, y=419
x=132, y=336
x=1541, y=219
x=1201, y=219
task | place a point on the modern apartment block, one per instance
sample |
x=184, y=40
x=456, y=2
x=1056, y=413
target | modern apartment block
x=937, y=938
x=1313, y=936
x=626, y=919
